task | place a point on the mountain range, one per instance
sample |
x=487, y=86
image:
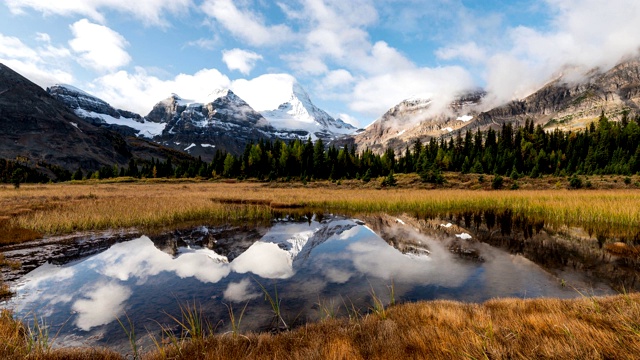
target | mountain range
x=70, y=128
x=224, y=122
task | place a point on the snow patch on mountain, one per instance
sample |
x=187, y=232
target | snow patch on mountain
x=465, y=118
x=147, y=129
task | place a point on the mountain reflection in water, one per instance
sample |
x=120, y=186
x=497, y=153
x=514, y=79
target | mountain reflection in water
x=328, y=259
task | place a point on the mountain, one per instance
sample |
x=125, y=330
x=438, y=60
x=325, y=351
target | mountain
x=39, y=131
x=299, y=113
x=98, y=112
x=225, y=122
x=569, y=104
x=564, y=103
x=413, y=119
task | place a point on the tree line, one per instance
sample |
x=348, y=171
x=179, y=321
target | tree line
x=604, y=147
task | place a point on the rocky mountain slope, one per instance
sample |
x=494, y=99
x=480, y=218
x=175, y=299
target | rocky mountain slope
x=412, y=119
x=38, y=129
x=563, y=103
x=567, y=104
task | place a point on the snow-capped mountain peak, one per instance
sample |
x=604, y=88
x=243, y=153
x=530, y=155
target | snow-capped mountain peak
x=299, y=113
x=218, y=93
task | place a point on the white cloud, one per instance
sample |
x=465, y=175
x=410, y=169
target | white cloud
x=469, y=51
x=245, y=24
x=384, y=59
x=151, y=12
x=98, y=47
x=349, y=119
x=265, y=92
x=241, y=60
x=43, y=37
x=266, y=260
x=207, y=44
x=375, y=95
x=140, y=91
x=12, y=47
x=240, y=291
x=42, y=65
x=581, y=36
x=337, y=78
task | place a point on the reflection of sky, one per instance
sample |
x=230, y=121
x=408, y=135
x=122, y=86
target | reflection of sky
x=335, y=259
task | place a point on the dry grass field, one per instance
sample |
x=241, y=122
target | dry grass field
x=36, y=210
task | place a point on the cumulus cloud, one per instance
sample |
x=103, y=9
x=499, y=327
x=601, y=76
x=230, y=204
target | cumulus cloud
x=266, y=92
x=151, y=12
x=337, y=78
x=245, y=24
x=375, y=95
x=139, y=91
x=241, y=60
x=44, y=65
x=98, y=47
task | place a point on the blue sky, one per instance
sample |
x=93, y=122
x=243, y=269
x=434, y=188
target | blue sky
x=355, y=58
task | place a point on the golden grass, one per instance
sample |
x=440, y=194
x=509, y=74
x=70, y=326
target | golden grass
x=66, y=208
x=583, y=328
x=587, y=328
x=14, y=344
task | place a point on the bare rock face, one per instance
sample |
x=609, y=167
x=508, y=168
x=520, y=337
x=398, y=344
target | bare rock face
x=92, y=109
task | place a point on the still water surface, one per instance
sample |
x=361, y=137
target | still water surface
x=323, y=262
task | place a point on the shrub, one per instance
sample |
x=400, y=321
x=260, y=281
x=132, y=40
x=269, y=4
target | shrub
x=497, y=182
x=575, y=182
x=432, y=174
x=389, y=180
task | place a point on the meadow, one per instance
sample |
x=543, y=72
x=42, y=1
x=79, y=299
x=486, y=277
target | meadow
x=33, y=211
x=586, y=328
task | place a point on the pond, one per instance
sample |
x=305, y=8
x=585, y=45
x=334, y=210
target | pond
x=314, y=264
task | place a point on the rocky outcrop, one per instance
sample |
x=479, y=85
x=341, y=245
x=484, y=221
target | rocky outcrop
x=93, y=109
